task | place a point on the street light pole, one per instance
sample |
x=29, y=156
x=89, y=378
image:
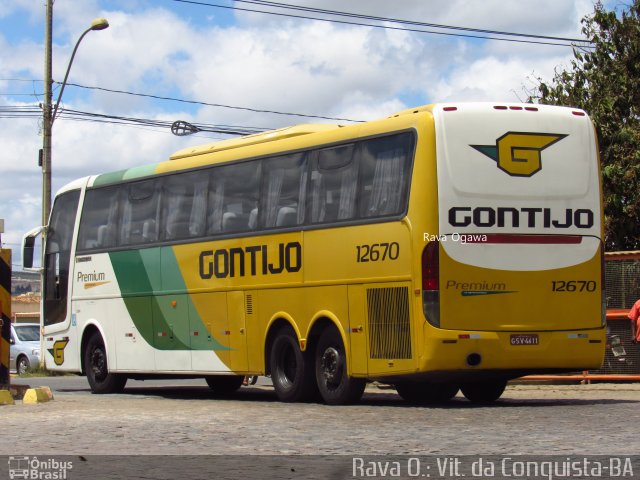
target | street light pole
x=97, y=24
x=49, y=116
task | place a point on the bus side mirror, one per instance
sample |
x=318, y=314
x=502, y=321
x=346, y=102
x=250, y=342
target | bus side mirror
x=28, y=249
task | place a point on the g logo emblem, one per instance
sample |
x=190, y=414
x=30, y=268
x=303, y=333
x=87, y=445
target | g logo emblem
x=519, y=154
x=57, y=352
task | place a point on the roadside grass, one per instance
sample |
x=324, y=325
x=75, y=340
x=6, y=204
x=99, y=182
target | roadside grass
x=43, y=372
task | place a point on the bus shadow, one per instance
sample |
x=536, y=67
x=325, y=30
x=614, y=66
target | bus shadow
x=245, y=394
x=371, y=399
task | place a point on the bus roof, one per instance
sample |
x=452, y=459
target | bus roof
x=264, y=137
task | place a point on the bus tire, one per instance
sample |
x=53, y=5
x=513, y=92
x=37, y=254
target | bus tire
x=426, y=393
x=97, y=370
x=224, y=384
x=335, y=385
x=483, y=392
x=291, y=368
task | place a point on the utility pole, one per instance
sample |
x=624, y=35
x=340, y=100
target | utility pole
x=46, y=155
x=46, y=115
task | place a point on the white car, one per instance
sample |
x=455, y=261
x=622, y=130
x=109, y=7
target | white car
x=25, y=347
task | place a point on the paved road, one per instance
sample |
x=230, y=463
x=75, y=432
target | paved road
x=184, y=417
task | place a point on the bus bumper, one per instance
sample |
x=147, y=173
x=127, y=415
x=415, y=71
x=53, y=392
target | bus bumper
x=514, y=353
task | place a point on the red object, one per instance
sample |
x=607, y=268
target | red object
x=634, y=316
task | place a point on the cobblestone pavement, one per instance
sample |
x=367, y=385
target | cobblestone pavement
x=598, y=419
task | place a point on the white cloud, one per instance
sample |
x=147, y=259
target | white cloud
x=493, y=79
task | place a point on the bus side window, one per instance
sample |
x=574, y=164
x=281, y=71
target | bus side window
x=98, y=224
x=184, y=204
x=385, y=173
x=233, y=195
x=140, y=213
x=283, y=191
x=334, y=181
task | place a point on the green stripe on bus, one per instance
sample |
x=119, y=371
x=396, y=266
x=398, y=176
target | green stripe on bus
x=128, y=174
x=145, y=302
x=171, y=273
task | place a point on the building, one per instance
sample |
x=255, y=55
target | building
x=25, y=308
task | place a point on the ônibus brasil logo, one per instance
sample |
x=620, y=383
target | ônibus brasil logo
x=518, y=153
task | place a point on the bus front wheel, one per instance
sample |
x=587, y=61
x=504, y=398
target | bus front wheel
x=291, y=368
x=483, y=392
x=335, y=385
x=95, y=364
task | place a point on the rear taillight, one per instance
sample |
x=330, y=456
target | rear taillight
x=431, y=283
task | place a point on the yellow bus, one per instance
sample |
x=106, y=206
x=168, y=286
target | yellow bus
x=448, y=247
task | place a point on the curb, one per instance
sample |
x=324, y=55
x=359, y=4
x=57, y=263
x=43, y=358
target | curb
x=6, y=398
x=37, y=395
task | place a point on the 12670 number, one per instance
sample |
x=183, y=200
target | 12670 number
x=573, y=286
x=377, y=252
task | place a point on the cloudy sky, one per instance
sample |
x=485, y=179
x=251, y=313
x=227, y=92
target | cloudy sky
x=249, y=63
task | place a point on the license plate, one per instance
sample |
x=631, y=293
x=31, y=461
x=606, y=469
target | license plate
x=525, y=339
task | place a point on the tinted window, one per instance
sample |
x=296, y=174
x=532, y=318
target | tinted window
x=334, y=181
x=99, y=222
x=283, y=192
x=385, y=171
x=140, y=214
x=233, y=198
x=184, y=198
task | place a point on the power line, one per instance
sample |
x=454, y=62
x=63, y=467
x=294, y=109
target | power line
x=196, y=102
x=78, y=115
x=405, y=22
x=569, y=42
x=164, y=124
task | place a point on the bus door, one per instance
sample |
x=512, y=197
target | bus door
x=57, y=257
x=57, y=263
x=239, y=307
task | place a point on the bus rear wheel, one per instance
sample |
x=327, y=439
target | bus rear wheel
x=335, y=385
x=426, y=393
x=95, y=364
x=483, y=392
x=224, y=384
x=291, y=368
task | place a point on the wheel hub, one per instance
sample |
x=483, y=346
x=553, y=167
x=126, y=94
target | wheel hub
x=331, y=363
x=98, y=364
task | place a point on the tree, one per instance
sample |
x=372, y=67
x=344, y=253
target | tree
x=604, y=80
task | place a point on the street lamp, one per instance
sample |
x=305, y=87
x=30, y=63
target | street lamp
x=48, y=116
x=97, y=24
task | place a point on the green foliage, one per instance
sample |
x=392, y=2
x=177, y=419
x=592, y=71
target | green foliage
x=604, y=80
